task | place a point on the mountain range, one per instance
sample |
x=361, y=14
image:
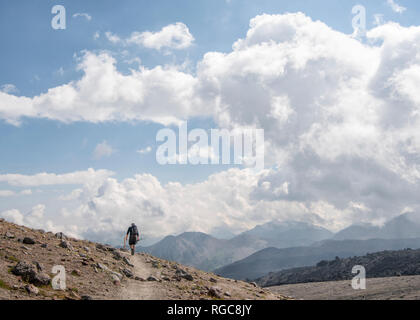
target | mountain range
x=208, y=253
x=275, y=246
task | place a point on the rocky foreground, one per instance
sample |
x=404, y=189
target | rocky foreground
x=97, y=271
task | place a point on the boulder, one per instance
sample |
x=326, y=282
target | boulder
x=128, y=273
x=152, y=278
x=117, y=255
x=29, y=273
x=38, y=266
x=127, y=261
x=31, y=289
x=102, y=266
x=66, y=245
x=215, y=292
x=183, y=274
x=60, y=235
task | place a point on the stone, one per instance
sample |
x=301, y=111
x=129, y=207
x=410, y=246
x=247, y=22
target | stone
x=60, y=235
x=41, y=279
x=215, y=292
x=31, y=289
x=29, y=273
x=128, y=273
x=44, y=245
x=127, y=261
x=116, y=280
x=253, y=284
x=213, y=280
x=183, y=274
x=139, y=279
x=227, y=294
x=76, y=272
x=38, y=266
x=152, y=278
x=102, y=266
x=86, y=297
x=66, y=245
x=9, y=235
x=117, y=255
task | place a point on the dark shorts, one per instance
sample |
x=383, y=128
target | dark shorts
x=132, y=241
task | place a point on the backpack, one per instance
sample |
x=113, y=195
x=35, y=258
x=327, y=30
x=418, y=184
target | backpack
x=134, y=231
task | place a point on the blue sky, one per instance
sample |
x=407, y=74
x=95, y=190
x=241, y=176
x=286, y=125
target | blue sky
x=35, y=58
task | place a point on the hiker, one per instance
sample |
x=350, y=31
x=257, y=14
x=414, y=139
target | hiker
x=134, y=237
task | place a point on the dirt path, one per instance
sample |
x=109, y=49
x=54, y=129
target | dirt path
x=142, y=290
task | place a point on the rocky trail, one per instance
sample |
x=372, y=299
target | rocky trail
x=95, y=271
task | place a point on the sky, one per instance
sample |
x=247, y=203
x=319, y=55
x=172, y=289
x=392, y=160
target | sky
x=80, y=109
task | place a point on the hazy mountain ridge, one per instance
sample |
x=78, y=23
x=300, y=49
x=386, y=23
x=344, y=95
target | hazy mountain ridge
x=206, y=252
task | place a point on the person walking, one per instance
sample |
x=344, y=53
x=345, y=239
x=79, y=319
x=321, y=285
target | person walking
x=133, y=237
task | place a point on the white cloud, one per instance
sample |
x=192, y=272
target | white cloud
x=13, y=216
x=87, y=16
x=46, y=179
x=7, y=193
x=96, y=35
x=26, y=192
x=395, y=6
x=9, y=88
x=33, y=219
x=162, y=95
x=174, y=36
x=112, y=37
x=145, y=150
x=103, y=150
x=341, y=121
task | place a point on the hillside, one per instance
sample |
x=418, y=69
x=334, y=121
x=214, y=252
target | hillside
x=97, y=271
x=272, y=259
x=377, y=265
x=208, y=253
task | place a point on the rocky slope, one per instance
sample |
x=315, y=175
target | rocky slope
x=96, y=271
x=378, y=265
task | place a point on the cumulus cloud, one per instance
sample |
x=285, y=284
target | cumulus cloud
x=9, y=88
x=341, y=121
x=162, y=95
x=395, y=6
x=47, y=179
x=174, y=36
x=32, y=219
x=103, y=150
x=112, y=37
